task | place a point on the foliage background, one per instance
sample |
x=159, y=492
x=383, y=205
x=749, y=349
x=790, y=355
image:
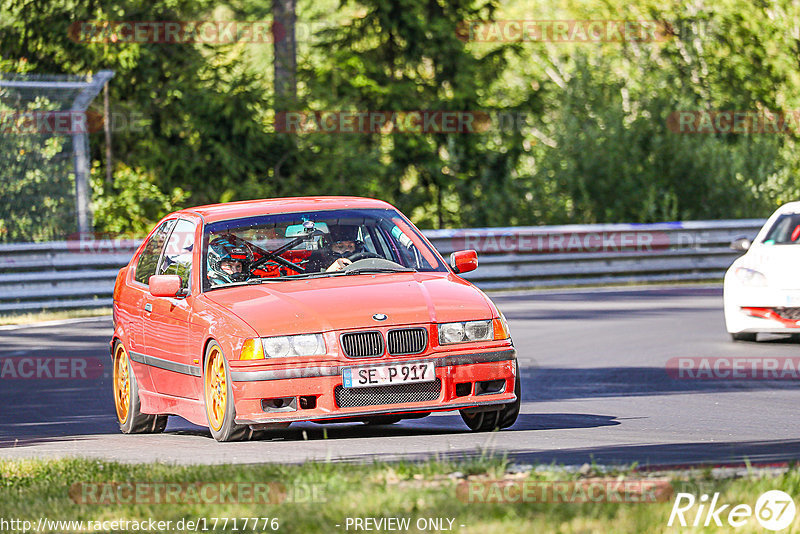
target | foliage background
x=594, y=146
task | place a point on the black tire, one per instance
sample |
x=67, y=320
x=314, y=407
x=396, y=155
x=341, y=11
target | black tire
x=481, y=421
x=511, y=411
x=221, y=422
x=128, y=407
x=503, y=417
x=160, y=424
x=744, y=336
x=383, y=420
x=267, y=431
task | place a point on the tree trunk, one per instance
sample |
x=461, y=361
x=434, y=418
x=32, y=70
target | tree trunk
x=107, y=128
x=285, y=66
x=285, y=46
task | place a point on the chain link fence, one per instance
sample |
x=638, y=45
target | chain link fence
x=44, y=155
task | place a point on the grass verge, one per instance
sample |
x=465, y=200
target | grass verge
x=320, y=497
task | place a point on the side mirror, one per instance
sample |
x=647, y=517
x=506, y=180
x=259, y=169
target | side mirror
x=165, y=285
x=464, y=261
x=741, y=244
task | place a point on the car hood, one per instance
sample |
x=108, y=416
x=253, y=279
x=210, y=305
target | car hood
x=340, y=303
x=777, y=262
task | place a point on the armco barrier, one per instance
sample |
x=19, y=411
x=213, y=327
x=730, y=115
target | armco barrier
x=81, y=273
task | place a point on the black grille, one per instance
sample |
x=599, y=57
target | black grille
x=408, y=341
x=362, y=344
x=397, y=394
x=793, y=314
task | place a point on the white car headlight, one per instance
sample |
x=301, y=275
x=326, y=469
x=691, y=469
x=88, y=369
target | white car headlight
x=465, y=332
x=750, y=277
x=289, y=346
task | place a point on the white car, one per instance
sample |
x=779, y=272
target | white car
x=762, y=287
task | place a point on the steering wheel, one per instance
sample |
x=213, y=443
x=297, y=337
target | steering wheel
x=362, y=256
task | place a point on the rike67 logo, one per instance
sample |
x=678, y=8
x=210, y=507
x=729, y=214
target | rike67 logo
x=774, y=510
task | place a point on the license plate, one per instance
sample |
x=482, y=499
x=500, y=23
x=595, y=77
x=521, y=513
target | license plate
x=402, y=373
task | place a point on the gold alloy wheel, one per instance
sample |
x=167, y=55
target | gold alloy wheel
x=122, y=384
x=216, y=388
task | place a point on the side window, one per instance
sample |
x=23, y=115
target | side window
x=146, y=267
x=177, y=257
x=376, y=243
x=366, y=237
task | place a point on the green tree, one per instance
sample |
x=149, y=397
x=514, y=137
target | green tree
x=407, y=56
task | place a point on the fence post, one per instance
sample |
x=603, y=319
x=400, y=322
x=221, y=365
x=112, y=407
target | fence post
x=80, y=143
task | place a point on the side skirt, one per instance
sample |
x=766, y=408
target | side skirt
x=157, y=403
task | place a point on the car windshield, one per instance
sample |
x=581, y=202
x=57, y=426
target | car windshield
x=785, y=231
x=287, y=246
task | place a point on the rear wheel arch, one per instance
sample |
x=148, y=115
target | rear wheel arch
x=126, y=396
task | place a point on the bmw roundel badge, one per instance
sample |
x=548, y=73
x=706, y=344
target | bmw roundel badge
x=380, y=316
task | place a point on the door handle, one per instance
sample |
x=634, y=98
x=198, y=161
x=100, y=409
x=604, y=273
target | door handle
x=148, y=307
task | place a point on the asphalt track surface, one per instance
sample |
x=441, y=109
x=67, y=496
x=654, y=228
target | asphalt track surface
x=594, y=379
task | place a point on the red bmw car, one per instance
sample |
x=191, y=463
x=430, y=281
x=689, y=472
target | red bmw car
x=251, y=315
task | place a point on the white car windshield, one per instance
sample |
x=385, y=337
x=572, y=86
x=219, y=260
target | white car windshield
x=785, y=230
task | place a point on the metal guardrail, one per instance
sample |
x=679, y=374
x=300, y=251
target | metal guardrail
x=81, y=273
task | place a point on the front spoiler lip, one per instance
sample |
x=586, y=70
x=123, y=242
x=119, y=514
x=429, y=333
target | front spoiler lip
x=769, y=314
x=508, y=354
x=382, y=411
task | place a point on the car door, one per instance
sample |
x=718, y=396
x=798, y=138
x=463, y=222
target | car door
x=137, y=294
x=167, y=319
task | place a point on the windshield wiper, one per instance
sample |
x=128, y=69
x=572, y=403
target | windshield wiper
x=366, y=270
x=302, y=276
x=244, y=283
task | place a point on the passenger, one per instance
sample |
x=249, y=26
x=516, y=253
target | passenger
x=341, y=243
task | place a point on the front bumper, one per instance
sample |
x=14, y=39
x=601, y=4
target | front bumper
x=752, y=310
x=321, y=381
x=763, y=319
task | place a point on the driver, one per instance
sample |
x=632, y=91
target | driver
x=343, y=242
x=227, y=262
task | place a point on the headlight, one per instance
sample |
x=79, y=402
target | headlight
x=290, y=346
x=277, y=347
x=750, y=277
x=308, y=345
x=465, y=332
